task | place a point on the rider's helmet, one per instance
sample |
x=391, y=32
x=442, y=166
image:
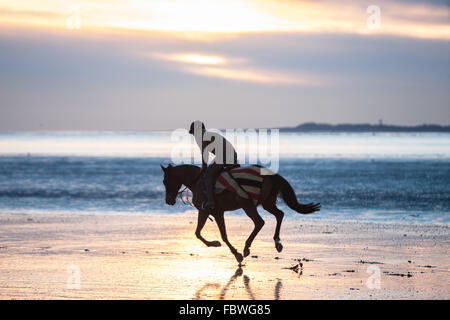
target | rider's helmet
x=195, y=127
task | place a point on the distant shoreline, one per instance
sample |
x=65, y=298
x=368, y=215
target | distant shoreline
x=304, y=127
x=363, y=127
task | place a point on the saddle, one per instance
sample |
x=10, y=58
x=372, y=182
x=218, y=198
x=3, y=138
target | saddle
x=245, y=182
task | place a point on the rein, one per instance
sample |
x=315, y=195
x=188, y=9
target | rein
x=185, y=191
x=185, y=202
x=180, y=193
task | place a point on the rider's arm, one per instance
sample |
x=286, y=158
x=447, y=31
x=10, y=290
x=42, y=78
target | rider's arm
x=205, y=157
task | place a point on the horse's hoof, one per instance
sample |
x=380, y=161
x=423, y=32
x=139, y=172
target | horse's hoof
x=214, y=244
x=246, y=252
x=239, y=257
x=279, y=247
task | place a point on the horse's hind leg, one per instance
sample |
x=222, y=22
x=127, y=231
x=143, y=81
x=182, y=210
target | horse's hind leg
x=258, y=222
x=223, y=232
x=272, y=208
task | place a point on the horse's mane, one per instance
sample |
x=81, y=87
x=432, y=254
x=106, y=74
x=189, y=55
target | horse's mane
x=186, y=166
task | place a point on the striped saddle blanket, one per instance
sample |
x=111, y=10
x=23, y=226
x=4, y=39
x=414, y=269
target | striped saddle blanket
x=246, y=182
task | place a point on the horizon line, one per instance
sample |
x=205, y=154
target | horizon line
x=281, y=128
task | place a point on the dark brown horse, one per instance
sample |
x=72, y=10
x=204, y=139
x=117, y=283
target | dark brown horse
x=177, y=176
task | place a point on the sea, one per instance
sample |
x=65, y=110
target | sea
x=383, y=177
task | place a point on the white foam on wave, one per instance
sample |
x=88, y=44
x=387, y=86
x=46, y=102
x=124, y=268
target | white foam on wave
x=291, y=145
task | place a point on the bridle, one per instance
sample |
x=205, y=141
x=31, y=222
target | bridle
x=185, y=202
x=185, y=190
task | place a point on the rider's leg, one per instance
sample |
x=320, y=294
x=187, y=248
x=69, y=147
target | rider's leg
x=211, y=174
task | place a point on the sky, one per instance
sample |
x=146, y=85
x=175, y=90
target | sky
x=159, y=64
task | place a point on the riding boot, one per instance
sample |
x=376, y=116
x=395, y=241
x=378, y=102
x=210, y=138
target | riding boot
x=210, y=203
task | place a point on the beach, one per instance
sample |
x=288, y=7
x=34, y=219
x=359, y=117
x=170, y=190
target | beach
x=110, y=110
x=141, y=256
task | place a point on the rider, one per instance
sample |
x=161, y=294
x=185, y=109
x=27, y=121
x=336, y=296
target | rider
x=225, y=156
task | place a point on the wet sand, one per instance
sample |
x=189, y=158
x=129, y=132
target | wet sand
x=158, y=257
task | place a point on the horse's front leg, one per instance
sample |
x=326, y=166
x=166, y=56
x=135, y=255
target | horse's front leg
x=202, y=216
x=223, y=232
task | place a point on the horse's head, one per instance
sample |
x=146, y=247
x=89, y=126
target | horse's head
x=172, y=185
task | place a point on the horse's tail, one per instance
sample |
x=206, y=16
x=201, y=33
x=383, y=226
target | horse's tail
x=290, y=198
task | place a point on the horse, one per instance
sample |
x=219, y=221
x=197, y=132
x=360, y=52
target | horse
x=188, y=175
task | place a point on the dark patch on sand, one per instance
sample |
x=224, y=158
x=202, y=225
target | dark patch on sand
x=408, y=275
x=427, y=266
x=298, y=268
x=369, y=262
x=304, y=260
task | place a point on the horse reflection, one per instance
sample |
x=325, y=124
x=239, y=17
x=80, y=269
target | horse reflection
x=234, y=277
x=278, y=287
x=205, y=287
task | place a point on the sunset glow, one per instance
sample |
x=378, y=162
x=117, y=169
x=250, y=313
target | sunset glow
x=192, y=58
x=76, y=61
x=231, y=16
x=249, y=75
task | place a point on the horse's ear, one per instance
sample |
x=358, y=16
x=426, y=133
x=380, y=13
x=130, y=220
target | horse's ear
x=163, y=169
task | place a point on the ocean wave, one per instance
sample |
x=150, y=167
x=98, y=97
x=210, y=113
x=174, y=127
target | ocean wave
x=81, y=194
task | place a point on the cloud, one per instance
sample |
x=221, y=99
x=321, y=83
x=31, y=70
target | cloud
x=191, y=58
x=72, y=80
x=204, y=18
x=234, y=69
x=248, y=75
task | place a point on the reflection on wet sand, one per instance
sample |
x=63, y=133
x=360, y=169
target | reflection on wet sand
x=141, y=258
x=223, y=292
x=278, y=287
x=198, y=293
